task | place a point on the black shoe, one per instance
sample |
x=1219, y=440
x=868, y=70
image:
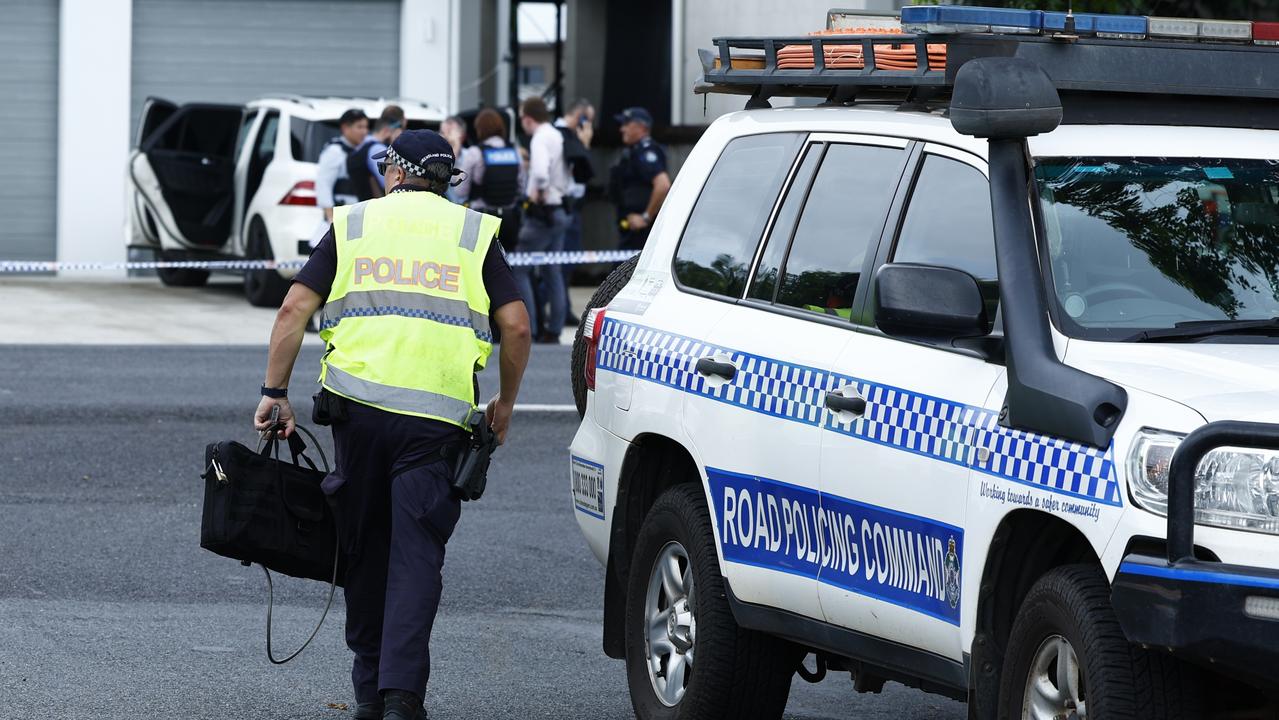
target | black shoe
x=571, y=319
x=547, y=338
x=402, y=705
x=368, y=711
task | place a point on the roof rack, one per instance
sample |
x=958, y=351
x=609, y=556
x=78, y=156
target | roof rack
x=751, y=66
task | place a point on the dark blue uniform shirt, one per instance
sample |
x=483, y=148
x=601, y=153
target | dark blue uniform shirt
x=632, y=177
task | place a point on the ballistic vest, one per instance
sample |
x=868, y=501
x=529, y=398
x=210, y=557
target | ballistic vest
x=363, y=184
x=407, y=319
x=343, y=185
x=501, y=184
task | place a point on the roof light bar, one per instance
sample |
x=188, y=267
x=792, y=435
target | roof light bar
x=1265, y=33
x=1117, y=27
x=862, y=20
x=954, y=19
x=1227, y=30
x=1189, y=29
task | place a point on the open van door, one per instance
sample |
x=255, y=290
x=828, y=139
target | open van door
x=182, y=174
x=142, y=231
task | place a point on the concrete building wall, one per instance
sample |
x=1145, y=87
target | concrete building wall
x=94, y=76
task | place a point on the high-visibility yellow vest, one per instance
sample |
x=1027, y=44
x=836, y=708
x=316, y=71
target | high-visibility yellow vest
x=407, y=319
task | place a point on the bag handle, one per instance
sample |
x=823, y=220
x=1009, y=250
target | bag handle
x=268, y=445
x=270, y=604
x=298, y=449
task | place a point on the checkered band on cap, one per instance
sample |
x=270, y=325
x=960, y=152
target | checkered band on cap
x=409, y=166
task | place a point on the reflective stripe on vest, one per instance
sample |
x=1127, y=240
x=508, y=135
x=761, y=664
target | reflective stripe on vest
x=407, y=319
x=355, y=222
x=369, y=303
x=420, y=402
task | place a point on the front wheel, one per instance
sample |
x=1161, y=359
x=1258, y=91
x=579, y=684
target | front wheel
x=686, y=657
x=1068, y=658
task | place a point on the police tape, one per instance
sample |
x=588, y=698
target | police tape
x=515, y=259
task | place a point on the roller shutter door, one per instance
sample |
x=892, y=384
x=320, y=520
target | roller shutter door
x=28, y=129
x=232, y=51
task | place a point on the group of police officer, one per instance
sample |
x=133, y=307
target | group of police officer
x=414, y=291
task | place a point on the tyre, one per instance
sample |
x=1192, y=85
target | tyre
x=686, y=657
x=262, y=288
x=1068, y=658
x=179, y=277
x=607, y=290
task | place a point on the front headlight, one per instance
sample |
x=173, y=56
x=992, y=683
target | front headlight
x=1234, y=487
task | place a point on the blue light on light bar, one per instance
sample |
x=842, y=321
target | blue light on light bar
x=949, y=18
x=1130, y=27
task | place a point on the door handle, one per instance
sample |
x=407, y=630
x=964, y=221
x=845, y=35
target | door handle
x=855, y=405
x=711, y=366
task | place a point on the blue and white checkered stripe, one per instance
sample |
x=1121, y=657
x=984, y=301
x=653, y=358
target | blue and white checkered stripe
x=382, y=310
x=913, y=422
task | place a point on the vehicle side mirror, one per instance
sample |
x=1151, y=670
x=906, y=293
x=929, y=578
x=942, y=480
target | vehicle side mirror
x=924, y=302
x=1004, y=98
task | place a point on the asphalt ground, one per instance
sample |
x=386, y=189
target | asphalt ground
x=109, y=608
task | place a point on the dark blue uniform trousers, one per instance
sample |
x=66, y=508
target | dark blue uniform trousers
x=394, y=515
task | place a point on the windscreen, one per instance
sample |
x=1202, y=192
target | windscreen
x=1145, y=244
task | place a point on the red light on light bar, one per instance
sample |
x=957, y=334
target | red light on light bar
x=302, y=194
x=1265, y=33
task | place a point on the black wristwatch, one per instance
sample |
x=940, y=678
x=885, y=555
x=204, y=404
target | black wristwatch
x=275, y=393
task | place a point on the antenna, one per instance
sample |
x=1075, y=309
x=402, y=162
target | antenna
x=1070, y=17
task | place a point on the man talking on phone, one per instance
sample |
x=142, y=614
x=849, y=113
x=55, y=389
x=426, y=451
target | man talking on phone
x=409, y=283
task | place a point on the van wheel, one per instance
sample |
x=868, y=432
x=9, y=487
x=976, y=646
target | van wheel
x=179, y=277
x=604, y=295
x=686, y=657
x=1068, y=658
x=263, y=288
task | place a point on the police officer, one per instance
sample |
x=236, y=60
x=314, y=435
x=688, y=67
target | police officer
x=409, y=283
x=638, y=183
x=333, y=184
x=494, y=176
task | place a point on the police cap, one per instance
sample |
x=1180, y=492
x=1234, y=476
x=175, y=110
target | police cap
x=638, y=114
x=413, y=150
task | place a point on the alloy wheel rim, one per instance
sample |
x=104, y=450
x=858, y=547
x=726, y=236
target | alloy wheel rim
x=670, y=626
x=1054, y=684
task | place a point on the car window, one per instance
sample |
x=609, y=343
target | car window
x=245, y=126
x=265, y=148
x=208, y=131
x=725, y=226
x=948, y=224
x=307, y=138
x=775, y=247
x=842, y=218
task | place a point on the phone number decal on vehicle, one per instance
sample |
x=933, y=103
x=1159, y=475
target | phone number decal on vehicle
x=588, y=487
x=906, y=560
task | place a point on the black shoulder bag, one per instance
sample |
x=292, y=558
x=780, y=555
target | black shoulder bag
x=260, y=509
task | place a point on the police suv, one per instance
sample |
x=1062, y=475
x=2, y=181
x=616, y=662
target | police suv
x=962, y=379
